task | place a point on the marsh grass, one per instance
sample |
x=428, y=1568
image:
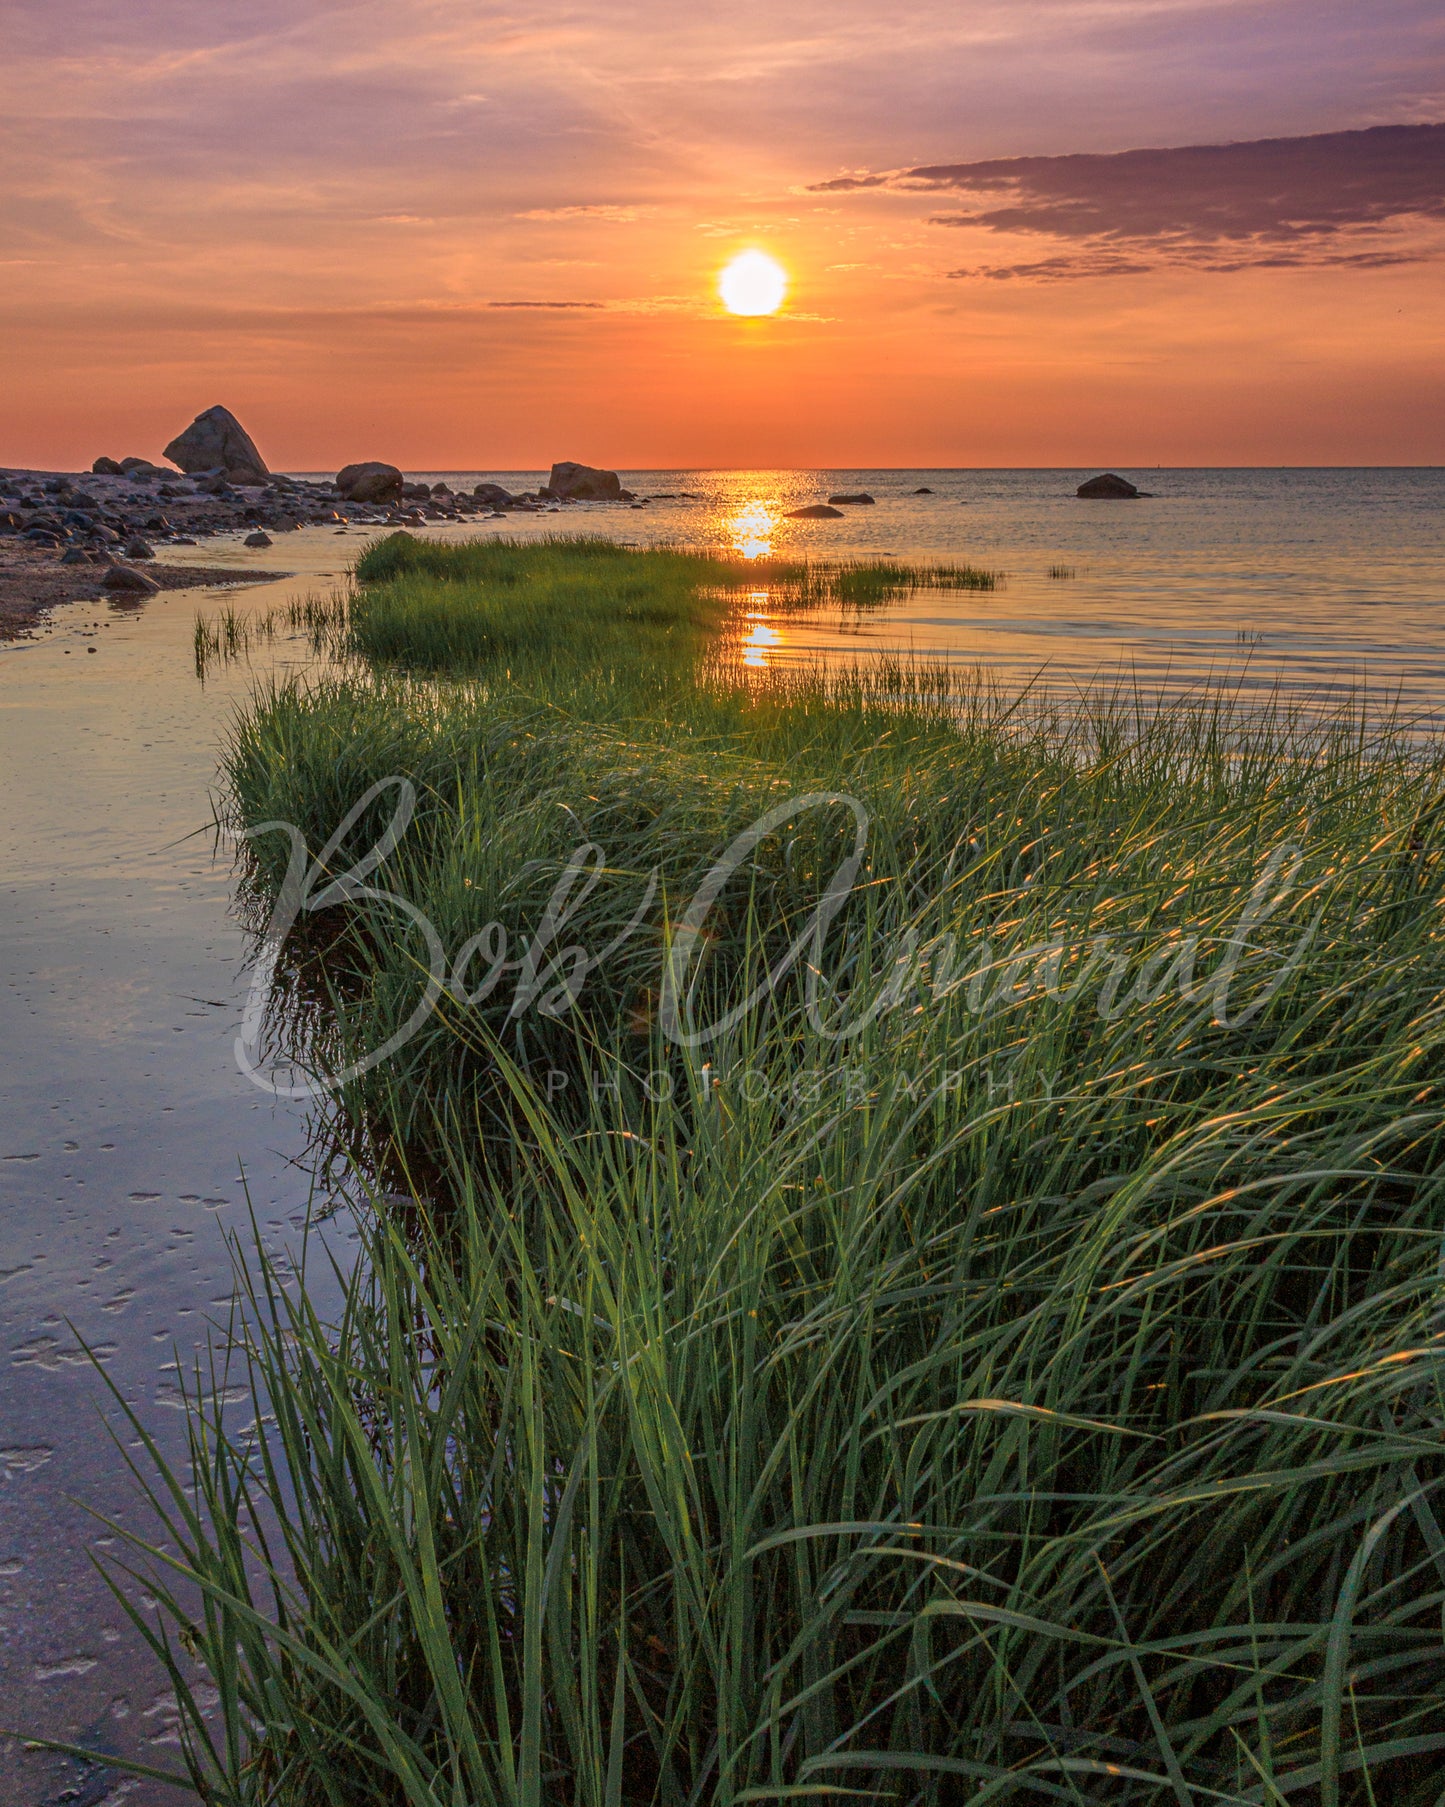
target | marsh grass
x=1032, y=1393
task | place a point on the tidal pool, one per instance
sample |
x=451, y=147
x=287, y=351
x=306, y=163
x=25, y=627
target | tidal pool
x=131, y=1146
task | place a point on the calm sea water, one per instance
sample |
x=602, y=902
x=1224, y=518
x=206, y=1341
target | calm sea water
x=1313, y=577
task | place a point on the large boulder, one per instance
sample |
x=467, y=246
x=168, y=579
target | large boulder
x=1108, y=488
x=494, y=494
x=370, y=482
x=216, y=440
x=583, y=483
x=106, y=467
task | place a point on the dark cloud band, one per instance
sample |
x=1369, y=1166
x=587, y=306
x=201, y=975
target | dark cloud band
x=1271, y=202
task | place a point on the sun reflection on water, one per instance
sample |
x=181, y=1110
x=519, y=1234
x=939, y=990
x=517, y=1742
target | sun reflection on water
x=751, y=529
x=760, y=638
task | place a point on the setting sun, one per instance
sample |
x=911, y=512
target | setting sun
x=753, y=283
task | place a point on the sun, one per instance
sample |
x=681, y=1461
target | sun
x=753, y=283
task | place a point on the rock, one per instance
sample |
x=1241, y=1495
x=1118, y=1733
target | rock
x=371, y=482
x=121, y=577
x=138, y=548
x=1108, y=488
x=76, y=557
x=105, y=467
x=925, y=491
x=284, y=524
x=440, y=489
x=860, y=500
x=142, y=467
x=216, y=440
x=258, y=539
x=816, y=511
x=582, y=483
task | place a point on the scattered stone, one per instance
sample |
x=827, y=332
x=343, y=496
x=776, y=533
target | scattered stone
x=217, y=440
x=258, y=539
x=138, y=548
x=816, y=511
x=860, y=500
x=1108, y=488
x=121, y=577
x=372, y=482
x=583, y=483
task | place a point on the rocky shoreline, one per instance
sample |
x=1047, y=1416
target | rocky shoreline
x=67, y=535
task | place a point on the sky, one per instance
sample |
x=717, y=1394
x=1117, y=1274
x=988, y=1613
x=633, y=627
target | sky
x=1018, y=232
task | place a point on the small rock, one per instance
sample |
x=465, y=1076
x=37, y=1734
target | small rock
x=121, y=577
x=862, y=499
x=925, y=491
x=138, y=548
x=816, y=511
x=258, y=539
x=1108, y=488
x=75, y=557
x=105, y=467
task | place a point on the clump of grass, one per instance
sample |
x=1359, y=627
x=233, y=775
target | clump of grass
x=988, y=1365
x=448, y=608
x=1060, y=573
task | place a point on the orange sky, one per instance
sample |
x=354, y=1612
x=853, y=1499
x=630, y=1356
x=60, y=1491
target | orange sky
x=486, y=238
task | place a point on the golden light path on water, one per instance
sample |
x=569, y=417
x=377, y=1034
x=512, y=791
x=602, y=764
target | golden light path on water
x=750, y=532
x=751, y=529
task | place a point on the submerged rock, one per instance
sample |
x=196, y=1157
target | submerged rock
x=815, y=511
x=860, y=500
x=1108, y=488
x=217, y=440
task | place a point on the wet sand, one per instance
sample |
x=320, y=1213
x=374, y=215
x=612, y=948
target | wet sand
x=33, y=580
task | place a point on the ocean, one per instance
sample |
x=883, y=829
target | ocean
x=1311, y=578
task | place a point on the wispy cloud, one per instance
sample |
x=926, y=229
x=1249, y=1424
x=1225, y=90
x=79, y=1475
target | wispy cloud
x=592, y=210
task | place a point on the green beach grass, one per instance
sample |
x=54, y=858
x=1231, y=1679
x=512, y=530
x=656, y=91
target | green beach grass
x=1003, y=1362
